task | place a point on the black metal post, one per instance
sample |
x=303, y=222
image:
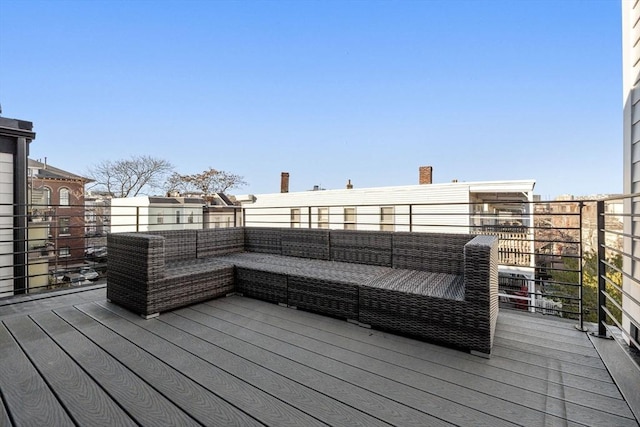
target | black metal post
x=602, y=300
x=21, y=282
x=581, y=274
x=410, y=217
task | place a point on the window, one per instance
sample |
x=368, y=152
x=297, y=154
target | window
x=160, y=218
x=46, y=193
x=190, y=218
x=295, y=218
x=64, y=226
x=387, y=218
x=177, y=217
x=65, y=252
x=323, y=217
x=349, y=218
x=64, y=197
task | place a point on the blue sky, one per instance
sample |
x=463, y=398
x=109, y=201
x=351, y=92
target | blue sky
x=326, y=90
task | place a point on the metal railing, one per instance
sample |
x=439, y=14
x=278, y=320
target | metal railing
x=618, y=269
x=549, y=252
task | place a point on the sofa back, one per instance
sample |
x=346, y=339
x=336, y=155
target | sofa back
x=266, y=240
x=180, y=245
x=435, y=252
x=219, y=241
x=362, y=247
x=306, y=243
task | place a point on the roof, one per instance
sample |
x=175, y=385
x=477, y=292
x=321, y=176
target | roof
x=46, y=171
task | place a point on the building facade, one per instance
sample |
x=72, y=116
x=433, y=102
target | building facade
x=501, y=208
x=15, y=137
x=145, y=213
x=56, y=221
x=631, y=158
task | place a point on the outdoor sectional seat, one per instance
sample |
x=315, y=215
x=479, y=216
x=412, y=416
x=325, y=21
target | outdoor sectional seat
x=439, y=287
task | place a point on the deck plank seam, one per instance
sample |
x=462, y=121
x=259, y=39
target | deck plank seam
x=207, y=362
x=417, y=372
x=407, y=355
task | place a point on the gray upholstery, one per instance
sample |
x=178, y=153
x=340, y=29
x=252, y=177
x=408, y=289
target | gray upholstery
x=439, y=287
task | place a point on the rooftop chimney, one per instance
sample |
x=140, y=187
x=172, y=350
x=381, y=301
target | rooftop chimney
x=426, y=174
x=349, y=185
x=284, y=182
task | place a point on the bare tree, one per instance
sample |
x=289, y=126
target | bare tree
x=208, y=182
x=130, y=177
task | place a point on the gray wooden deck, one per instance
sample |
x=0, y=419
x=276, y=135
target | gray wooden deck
x=76, y=359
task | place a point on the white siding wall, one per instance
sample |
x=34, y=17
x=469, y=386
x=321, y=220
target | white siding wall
x=124, y=212
x=6, y=224
x=631, y=131
x=169, y=217
x=274, y=210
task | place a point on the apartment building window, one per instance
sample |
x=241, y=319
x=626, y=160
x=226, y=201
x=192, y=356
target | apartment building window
x=160, y=218
x=64, y=226
x=323, y=217
x=349, y=218
x=295, y=218
x=64, y=197
x=177, y=217
x=387, y=218
x=65, y=252
x=46, y=196
x=190, y=218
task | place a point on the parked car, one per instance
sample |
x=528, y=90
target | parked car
x=97, y=254
x=75, y=279
x=89, y=273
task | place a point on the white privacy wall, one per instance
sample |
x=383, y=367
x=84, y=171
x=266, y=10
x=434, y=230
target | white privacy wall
x=6, y=224
x=631, y=136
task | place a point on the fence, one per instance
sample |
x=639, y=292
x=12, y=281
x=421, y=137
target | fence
x=618, y=269
x=546, y=248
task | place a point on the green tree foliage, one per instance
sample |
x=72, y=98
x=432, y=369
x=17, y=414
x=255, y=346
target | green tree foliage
x=565, y=283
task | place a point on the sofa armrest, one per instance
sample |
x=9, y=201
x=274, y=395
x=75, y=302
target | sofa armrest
x=481, y=284
x=136, y=257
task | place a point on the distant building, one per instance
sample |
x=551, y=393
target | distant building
x=146, y=213
x=631, y=162
x=501, y=208
x=56, y=220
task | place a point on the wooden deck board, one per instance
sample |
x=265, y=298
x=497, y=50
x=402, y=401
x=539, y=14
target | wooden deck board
x=288, y=345
x=503, y=399
x=550, y=382
x=85, y=401
x=203, y=405
x=252, y=399
x=24, y=392
x=378, y=406
x=238, y=361
x=296, y=394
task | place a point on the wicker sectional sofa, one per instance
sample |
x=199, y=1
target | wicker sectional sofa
x=437, y=287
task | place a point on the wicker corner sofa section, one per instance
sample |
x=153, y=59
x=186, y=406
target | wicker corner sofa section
x=434, y=286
